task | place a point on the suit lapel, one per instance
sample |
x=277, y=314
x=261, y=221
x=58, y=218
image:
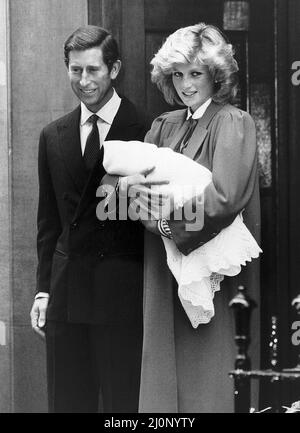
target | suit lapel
x=121, y=128
x=90, y=188
x=69, y=141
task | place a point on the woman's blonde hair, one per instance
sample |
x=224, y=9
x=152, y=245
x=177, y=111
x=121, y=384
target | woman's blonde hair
x=203, y=43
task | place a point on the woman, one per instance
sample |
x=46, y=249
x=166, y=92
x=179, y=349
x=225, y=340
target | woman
x=199, y=273
x=186, y=369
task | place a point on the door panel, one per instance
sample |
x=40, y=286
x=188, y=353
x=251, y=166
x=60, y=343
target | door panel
x=173, y=14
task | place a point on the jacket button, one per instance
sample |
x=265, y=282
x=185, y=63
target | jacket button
x=101, y=255
x=74, y=225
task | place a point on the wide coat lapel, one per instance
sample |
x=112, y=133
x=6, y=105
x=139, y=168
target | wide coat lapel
x=69, y=142
x=200, y=132
x=178, y=132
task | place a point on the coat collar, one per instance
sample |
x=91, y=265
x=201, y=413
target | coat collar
x=199, y=134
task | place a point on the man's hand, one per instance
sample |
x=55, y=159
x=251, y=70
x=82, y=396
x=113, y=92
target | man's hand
x=38, y=315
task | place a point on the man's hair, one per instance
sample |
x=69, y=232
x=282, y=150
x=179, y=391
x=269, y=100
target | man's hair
x=205, y=44
x=88, y=37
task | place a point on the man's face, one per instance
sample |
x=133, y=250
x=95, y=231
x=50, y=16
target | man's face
x=90, y=77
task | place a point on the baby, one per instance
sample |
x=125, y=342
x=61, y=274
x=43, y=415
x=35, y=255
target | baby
x=199, y=273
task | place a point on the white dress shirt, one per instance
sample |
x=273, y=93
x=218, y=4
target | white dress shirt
x=106, y=116
x=200, y=110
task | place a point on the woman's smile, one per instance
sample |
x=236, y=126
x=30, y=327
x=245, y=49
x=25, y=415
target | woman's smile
x=189, y=94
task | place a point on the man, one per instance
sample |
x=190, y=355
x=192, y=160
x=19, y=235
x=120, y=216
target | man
x=90, y=272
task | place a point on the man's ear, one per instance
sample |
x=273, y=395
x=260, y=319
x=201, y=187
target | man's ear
x=115, y=69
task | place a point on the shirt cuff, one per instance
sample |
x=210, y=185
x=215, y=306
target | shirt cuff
x=164, y=228
x=41, y=295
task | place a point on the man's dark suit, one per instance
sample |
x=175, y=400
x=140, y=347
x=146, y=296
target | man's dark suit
x=92, y=269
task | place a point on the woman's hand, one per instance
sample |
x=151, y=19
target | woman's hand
x=151, y=226
x=139, y=179
x=147, y=202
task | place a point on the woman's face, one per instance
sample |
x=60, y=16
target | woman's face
x=193, y=84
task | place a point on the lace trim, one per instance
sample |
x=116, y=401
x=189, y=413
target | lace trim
x=200, y=273
x=197, y=299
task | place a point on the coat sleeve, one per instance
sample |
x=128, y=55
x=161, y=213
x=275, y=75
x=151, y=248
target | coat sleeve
x=234, y=173
x=48, y=220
